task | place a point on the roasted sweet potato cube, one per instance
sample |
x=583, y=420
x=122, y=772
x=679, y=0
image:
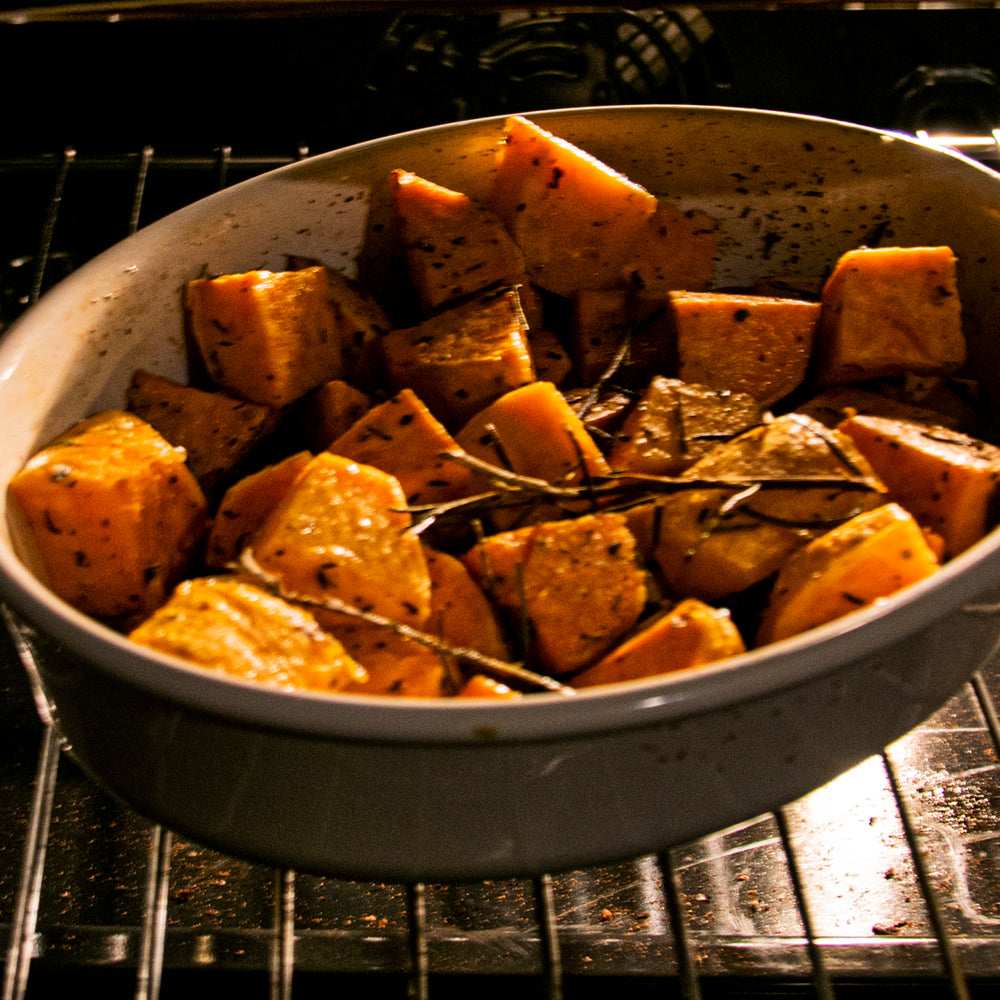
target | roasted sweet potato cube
x=340, y=534
x=689, y=635
x=711, y=542
x=831, y=406
x=619, y=329
x=235, y=626
x=108, y=515
x=402, y=437
x=675, y=252
x=454, y=246
x=549, y=358
x=244, y=506
x=483, y=686
x=675, y=423
x=869, y=558
x=576, y=581
x=269, y=337
x=890, y=310
x=746, y=343
x=461, y=618
x=460, y=360
x=393, y=664
x=575, y=218
x=217, y=431
x=599, y=326
x=461, y=615
x=947, y=480
x=325, y=413
x=535, y=432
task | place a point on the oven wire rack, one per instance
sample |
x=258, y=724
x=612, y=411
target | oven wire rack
x=886, y=879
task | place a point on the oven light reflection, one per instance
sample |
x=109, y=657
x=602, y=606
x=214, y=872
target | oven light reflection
x=854, y=860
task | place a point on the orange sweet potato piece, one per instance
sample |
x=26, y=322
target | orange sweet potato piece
x=401, y=436
x=575, y=218
x=675, y=423
x=534, y=431
x=947, y=480
x=831, y=406
x=550, y=359
x=890, y=310
x=217, y=431
x=689, y=635
x=454, y=246
x=393, y=664
x=460, y=360
x=461, y=615
x=340, y=533
x=233, y=625
x=581, y=587
x=676, y=251
x=868, y=558
x=108, y=515
x=709, y=550
x=325, y=413
x=270, y=337
x=245, y=505
x=604, y=320
x=745, y=343
x=482, y=686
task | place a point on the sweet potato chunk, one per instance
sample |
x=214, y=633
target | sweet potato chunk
x=887, y=311
x=393, y=664
x=401, y=436
x=675, y=423
x=340, y=533
x=574, y=217
x=534, y=432
x=580, y=584
x=746, y=343
x=689, y=635
x=606, y=320
x=108, y=515
x=549, y=358
x=868, y=558
x=326, y=413
x=454, y=246
x=245, y=505
x=460, y=360
x=835, y=404
x=216, y=431
x=269, y=337
x=460, y=617
x=947, y=480
x=481, y=686
x=711, y=542
x=675, y=252
x=232, y=625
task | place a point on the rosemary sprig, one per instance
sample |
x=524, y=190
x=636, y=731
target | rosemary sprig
x=515, y=489
x=500, y=669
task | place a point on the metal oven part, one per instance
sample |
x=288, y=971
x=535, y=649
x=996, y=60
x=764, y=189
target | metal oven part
x=886, y=880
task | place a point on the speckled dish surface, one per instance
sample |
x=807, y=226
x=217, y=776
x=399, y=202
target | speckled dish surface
x=391, y=788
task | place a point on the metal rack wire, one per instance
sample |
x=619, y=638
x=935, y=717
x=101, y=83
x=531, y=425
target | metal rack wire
x=887, y=879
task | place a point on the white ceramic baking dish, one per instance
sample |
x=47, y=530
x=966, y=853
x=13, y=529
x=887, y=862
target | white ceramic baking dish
x=393, y=788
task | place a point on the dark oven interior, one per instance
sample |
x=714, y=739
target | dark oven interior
x=886, y=880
